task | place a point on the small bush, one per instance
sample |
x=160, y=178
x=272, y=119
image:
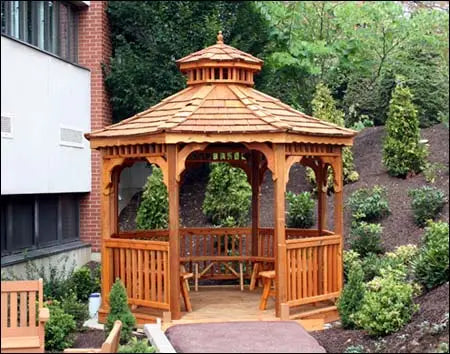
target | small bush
x=153, y=212
x=431, y=266
x=366, y=238
x=405, y=254
x=427, y=202
x=402, y=152
x=373, y=265
x=349, y=257
x=354, y=349
x=82, y=283
x=369, y=204
x=350, y=300
x=72, y=306
x=119, y=310
x=431, y=170
x=388, y=303
x=301, y=210
x=136, y=346
x=228, y=196
x=58, y=329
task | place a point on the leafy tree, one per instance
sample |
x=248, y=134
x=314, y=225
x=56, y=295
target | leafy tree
x=228, y=196
x=301, y=210
x=148, y=36
x=402, y=153
x=154, y=208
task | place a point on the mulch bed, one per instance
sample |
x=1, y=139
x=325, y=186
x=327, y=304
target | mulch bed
x=89, y=338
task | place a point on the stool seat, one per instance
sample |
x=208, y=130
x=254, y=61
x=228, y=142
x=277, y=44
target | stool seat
x=267, y=274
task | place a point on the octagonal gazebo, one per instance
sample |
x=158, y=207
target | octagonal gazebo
x=220, y=117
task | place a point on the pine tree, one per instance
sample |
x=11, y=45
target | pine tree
x=402, y=152
x=153, y=210
x=325, y=109
x=119, y=310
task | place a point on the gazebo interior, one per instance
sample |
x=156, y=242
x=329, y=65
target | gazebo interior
x=220, y=117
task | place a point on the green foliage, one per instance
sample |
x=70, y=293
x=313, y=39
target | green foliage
x=405, y=254
x=58, y=329
x=83, y=283
x=427, y=202
x=388, y=303
x=431, y=267
x=373, y=265
x=431, y=170
x=402, y=152
x=136, y=346
x=354, y=349
x=301, y=210
x=366, y=238
x=148, y=36
x=73, y=306
x=363, y=123
x=352, y=295
x=119, y=310
x=349, y=257
x=369, y=204
x=228, y=196
x=154, y=208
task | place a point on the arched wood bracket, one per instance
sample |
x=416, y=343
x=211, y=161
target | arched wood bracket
x=183, y=155
x=336, y=164
x=162, y=164
x=107, y=169
x=290, y=160
x=268, y=154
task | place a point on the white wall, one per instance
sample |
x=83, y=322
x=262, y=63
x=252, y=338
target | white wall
x=41, y=93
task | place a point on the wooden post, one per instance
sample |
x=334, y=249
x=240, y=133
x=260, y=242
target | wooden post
x=279, y=227
x=322, y=185
x=174, y=241
x=255, y=200
x=339, y=214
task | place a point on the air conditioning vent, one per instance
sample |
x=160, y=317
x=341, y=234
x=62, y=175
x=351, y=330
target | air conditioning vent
x=6, y=128
x=71, y=137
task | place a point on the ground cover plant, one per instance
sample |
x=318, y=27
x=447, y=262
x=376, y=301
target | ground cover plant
x=426, y=203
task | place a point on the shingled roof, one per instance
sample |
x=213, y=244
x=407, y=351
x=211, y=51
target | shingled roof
x=221, y=106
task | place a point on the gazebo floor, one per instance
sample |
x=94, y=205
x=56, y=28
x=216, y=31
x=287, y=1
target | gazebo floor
x=230, y=304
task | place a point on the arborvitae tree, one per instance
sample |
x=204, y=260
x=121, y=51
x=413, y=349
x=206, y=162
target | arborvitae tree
x=402, y=152
x=154, y=207
x=119, y=310
x=325, y=109
x=228, y=196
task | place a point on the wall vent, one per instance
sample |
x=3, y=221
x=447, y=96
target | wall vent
x=71, y=137
x=6, y=127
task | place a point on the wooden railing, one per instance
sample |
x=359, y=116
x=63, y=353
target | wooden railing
x=143, y=267
x=314, y=270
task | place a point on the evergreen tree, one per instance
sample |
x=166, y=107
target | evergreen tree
x=154, y=208
x=402, y=152
x=325, y=109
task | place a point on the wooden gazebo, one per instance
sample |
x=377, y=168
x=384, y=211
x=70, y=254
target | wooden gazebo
x=220, y=117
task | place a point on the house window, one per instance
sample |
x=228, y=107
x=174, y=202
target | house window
x=49, y=25
x=37, y=221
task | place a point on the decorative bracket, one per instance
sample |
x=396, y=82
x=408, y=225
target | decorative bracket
x=162, y=164
x=183, y=155
x=107, y=168
x=268, y=154
x=336, y=164
x=290, y=160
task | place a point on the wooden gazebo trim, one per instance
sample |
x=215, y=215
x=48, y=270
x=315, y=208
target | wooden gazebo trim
x=308, y=266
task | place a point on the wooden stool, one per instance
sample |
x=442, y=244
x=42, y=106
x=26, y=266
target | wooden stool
x=185, y=291
x=268, y=277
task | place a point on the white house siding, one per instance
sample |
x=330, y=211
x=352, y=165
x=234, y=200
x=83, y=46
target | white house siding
x=41, y=94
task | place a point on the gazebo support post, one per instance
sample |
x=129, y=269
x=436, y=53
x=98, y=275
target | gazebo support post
x=174, y=240
x=279, y=227
x=255, y=178
x=322, y=185
x=339, y=213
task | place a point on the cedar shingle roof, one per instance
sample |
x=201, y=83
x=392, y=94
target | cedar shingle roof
x=221, y=108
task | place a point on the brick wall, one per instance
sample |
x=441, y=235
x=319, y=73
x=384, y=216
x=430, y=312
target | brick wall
x=94, y=48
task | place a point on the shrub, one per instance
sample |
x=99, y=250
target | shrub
x=154, y=208
x=369, y=204
x=431, y=170
x=58, y=328
x=402, y=153
x=72, y=306
x=431, y=266
x=388, y=303
x=366, y=238
x=119, y=310
x=228, y=195
x=349, y=257
x=405, y=254
x=325, y=109
x=82, y=283
x=136, y=346
x=350, y=300
x=427, y=202
x=301, y=210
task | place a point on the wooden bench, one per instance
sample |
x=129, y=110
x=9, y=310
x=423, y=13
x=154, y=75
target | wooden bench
x=110, y=345
x=23, y=317
x=269, y=280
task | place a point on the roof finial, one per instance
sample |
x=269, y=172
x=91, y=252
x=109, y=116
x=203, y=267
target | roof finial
x=220, y=38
